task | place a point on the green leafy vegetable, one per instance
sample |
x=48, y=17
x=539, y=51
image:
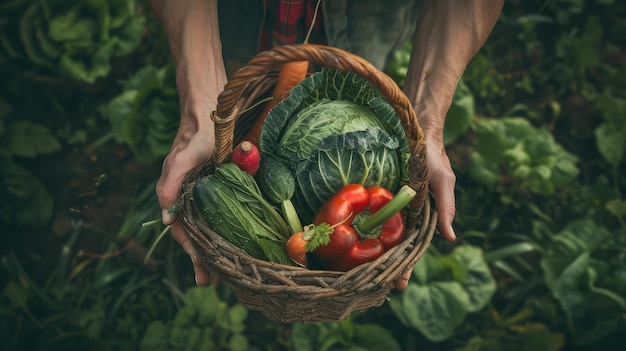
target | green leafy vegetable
x=234, y=207
x=529, y=155
x=145, y=115
x=205, y=322
x=335, y=128
x=443, y=290
x=28, y=139
x=24, y=200
x=80, y=39
x=611, y=134
x=530, y=337
x=589, y=287
x=343, y=335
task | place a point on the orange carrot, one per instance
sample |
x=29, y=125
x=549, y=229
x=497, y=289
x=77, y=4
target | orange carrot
x=289, y=75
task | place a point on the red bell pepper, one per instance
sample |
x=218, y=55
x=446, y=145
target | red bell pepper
x=357, y=225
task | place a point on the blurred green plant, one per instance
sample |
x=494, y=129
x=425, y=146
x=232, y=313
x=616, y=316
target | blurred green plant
x=341, y=336
x=145, y=115
x=24, y=199
x=443, y=290
x=205, y=322
x=536, y=134
x=511, y=147
x=585, y=268
x=76, y=39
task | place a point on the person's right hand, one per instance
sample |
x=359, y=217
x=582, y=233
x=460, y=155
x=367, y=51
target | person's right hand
x=191, y=148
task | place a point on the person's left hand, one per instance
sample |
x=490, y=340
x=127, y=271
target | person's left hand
x=441, y=181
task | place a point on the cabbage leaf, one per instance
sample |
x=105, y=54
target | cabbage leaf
x=336, y=128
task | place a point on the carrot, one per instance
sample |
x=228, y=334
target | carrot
x=289, y=75
x=312, y=237
x=296, y=249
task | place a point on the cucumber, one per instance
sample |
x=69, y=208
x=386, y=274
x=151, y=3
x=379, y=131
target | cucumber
x=278, y=185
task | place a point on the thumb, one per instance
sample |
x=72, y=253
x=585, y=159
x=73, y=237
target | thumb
x=168, y=188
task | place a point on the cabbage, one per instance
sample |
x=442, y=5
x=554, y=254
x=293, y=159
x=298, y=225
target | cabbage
x=335, y=128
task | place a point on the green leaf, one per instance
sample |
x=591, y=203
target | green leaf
x=435, y=310
x=73, y=26
x=374, y=338
x=528, y=337
x=24, y=200
x=309, y=132
x=304, y=337
x=343, y=335
x=30, y=24
x=203, y=303
x=363, y=157
x=155, y=337
x=611, y=143
x=443, y=290
x=592, y=313
x=238, y=342
x=74, y=65
x=145, y=115
x=578, y=237
x=80, y=39
x=512, y=146
x=611, y=134
x=477, y=279
x=477, y=343
x=617, y=207
x=28, y=139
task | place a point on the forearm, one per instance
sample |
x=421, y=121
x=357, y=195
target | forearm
x=447, y=36
x=192, y=30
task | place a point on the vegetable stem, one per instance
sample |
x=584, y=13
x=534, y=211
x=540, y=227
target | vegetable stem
x=370, y=222
x=291, y=216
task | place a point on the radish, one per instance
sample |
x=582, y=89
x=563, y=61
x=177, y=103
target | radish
x=246, y=156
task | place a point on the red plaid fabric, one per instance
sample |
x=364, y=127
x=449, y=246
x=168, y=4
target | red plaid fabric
x=288, y=22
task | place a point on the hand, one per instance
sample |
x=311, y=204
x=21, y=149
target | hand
x=441, y=180
x=190, y=149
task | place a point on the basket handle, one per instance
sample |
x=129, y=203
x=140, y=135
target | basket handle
x=229, y=101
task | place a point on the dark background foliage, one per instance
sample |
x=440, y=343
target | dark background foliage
x=536, y=134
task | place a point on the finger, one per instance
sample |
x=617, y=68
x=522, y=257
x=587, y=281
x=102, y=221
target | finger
x=443, y=191
x=168, y=187
x=403, y=282
x=202, y=276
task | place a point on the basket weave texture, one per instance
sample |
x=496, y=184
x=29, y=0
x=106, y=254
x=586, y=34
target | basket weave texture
x=294, y=294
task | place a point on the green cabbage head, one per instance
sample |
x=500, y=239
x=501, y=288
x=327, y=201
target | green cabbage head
x=336, y=128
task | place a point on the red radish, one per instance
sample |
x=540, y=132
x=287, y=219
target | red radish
x=246, y=156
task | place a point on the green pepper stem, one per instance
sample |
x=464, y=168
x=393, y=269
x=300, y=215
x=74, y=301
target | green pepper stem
x=291, y=216
x=370, y=222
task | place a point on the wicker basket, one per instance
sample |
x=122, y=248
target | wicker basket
x=293, y=294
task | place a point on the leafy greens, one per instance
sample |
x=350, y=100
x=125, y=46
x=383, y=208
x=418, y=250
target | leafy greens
x=336, y=128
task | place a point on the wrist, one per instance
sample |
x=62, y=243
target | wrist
x=198, y=87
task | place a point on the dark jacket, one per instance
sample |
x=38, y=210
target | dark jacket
x=372, y=29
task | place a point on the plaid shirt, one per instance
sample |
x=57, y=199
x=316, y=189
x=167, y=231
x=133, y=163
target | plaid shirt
x=288, y=22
